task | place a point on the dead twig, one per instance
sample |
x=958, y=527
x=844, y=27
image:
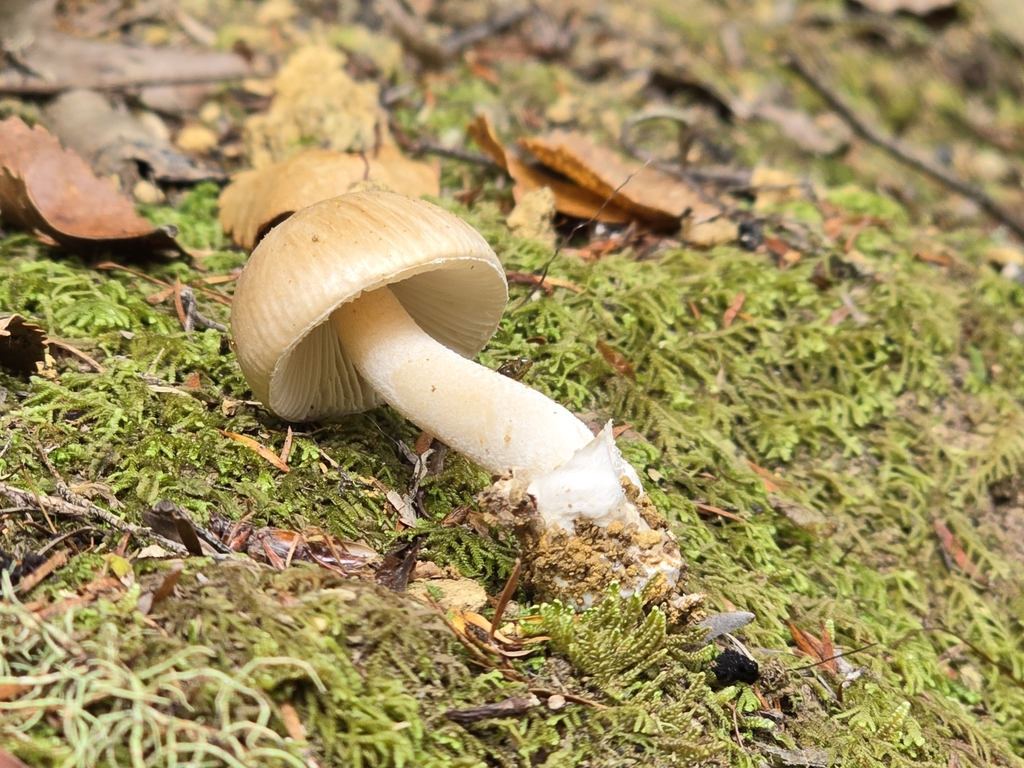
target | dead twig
x=84, y=511
x=434, y=53
x=423, y=146
x=193, y=317
x=901, y=151
x=44, y=88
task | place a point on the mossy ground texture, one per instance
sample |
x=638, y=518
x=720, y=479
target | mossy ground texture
x=883, y=425
x=855, y=407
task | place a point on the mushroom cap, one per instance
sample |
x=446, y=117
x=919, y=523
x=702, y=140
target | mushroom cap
x=442, y=270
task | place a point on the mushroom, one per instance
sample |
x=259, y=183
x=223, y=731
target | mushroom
x=374, y=297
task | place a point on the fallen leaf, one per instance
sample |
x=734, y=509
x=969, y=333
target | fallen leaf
x=51, y=192
x=174, y=523
x=255, y=201
x=813, y=647
x=931, y=257
x=167, y=585
x=570, y=199
x=22, y=345
x=616, y=360
x=260, y=449
x=649, y=194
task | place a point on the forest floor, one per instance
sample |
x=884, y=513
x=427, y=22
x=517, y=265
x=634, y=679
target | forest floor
x=822, y=393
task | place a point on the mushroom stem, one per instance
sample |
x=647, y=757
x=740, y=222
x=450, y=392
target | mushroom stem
x=492, y=419
x=577, y=505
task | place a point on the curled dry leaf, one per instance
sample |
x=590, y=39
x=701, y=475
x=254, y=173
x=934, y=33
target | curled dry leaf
x=646, y=193
x=52, y=193
x=22, y=345
x=257, y=200
x=570, y=198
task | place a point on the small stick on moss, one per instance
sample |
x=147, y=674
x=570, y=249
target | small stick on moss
x=902, y=152
x=505, y=596
x=87, y=510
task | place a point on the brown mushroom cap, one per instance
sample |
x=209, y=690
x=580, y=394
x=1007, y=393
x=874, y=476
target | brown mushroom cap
x=443, y=272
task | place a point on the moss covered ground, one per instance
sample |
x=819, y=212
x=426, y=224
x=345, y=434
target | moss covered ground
x=862, y=411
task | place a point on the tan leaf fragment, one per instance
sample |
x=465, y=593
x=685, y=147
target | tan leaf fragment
x=647, y=193
x=570, y=199
x=257, y=200
x=52, y=193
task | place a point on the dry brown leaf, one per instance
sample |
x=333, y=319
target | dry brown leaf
x=616, y=360
x=570, y=199
x=256, y=200
x=647, y=193
x=51, y=192
x=22, y=344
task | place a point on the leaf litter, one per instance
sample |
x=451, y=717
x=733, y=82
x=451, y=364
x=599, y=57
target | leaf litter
x=51, y=192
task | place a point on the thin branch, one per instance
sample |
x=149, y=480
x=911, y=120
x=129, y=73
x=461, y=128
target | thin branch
x=85, y=511
x=901, y=151
x=43, y=88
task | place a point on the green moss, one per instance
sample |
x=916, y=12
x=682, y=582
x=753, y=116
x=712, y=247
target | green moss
x=882, y=425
